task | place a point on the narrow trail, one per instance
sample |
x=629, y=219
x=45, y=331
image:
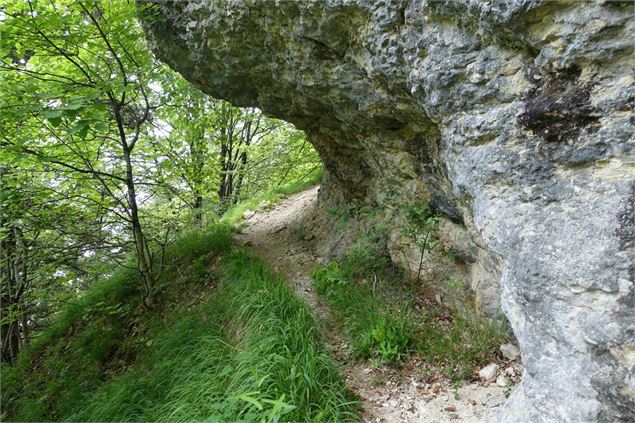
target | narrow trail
x=387, y=394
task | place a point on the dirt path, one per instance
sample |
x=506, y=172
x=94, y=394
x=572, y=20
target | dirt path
x=388, y=395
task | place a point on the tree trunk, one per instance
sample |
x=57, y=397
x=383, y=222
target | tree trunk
x=198, y=210
x=24, y=326
x=223, y=166
x=141, y=245
x=241, y=175
x=198, y=162
x=9, y=335
x=10, y=342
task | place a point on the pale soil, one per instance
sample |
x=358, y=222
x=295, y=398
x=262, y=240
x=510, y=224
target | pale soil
x=387, y=394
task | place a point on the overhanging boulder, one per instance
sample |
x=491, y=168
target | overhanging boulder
x=514, y=119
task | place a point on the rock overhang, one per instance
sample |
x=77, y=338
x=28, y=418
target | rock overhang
x=514, y=119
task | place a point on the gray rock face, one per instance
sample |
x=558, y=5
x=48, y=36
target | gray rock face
x=514, y=119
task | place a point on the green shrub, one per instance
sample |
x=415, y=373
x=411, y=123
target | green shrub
x=453, y=283
x=368, y=256
x=341, y=216
x=328, y=277
x=391, y=337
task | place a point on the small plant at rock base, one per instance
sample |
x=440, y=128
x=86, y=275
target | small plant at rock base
x=333, y=211
x=369, y=212
x=455, y=393
x=451, y=253
x=328, y=277
x=368, y=256
x=341, y=215
x=453, y=283
x=507, y=391
x=465, y=344
x=420, y=223
x=390, y=337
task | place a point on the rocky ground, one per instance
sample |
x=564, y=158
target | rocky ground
x=278, y=235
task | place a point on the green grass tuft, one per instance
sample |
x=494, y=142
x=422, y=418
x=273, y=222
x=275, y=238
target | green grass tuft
x=374, y=327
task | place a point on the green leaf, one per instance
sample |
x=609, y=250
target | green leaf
x=55, y=121
x=84, y=132
x=51, y=113
x=75, y=104
x=100, y=126
x=81, y=128
x=248, y=398
x=71, y=114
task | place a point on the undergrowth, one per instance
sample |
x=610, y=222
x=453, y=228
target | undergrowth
x=228, y=341
x=366, y=295
x=374, y=327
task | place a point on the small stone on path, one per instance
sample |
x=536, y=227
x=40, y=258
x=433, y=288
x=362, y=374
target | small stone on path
x=489, y=372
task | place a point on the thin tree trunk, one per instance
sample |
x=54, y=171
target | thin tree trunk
x=422, y=252
x=197, y=155
x=141, y=245
x=198, y=209
x=9, y=335
x=24, y=323
x=241, y=175
x=223, y=169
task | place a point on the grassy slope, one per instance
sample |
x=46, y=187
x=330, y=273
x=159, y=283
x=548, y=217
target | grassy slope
x=228, y=341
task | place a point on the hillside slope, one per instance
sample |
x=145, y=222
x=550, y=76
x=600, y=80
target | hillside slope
x=228, y=340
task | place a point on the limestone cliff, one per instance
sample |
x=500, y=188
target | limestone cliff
x=513, y=118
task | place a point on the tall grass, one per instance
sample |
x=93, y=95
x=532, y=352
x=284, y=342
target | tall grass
x=375, y=327
x=250, y=353
x=229, y=342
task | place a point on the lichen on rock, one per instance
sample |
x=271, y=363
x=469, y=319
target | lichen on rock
x=513, y=119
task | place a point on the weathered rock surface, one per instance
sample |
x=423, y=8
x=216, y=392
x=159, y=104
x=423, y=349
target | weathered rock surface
x=513, y=118
x=510, y=351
